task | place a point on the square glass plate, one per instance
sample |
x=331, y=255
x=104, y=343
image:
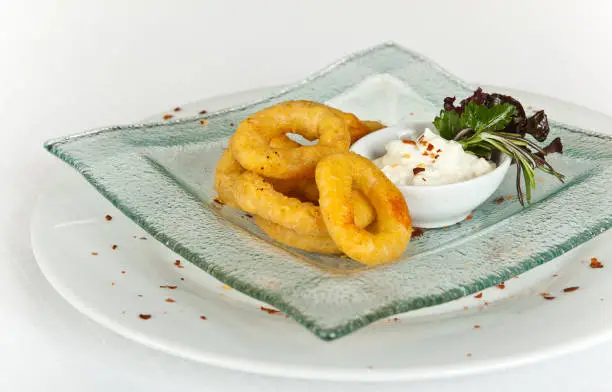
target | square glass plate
x=161, y=176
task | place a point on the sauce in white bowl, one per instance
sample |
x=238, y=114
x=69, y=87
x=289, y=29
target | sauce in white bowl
x=458, y=184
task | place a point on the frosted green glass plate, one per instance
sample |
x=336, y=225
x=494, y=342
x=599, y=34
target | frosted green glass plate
x=161, y=176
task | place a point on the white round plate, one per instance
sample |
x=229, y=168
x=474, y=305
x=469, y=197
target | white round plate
x=73, y=243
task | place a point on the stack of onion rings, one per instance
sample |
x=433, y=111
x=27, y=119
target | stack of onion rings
x=266, y=174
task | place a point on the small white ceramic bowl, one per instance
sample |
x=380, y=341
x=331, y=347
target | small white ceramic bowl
x=434, y=205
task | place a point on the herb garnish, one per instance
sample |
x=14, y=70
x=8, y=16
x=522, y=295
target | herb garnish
x=489, y=124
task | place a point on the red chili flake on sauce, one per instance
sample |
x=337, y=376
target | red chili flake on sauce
x=108, y=217
x=439, y=150
x=177, y=109
x=476, y=326
x=144, y=316
x=500, y=200
x=502, y=285
x=468, y=217
x=203, y=317
x=595, y=263
x=409, y=142
x=430, y=147
x=417, y=170
x=178, y=264
x=417, y=232
x=168, y=287
x=94, y=253
x=114, y=247
x=168, y=116
x=270, y=311
x=570, y=289
x=479, y=295
x=202, y=112
x=170, y=300
x=436, y=156
x=486, y=303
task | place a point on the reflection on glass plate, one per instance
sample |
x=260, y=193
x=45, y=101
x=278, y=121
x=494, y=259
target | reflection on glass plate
x=161, y=176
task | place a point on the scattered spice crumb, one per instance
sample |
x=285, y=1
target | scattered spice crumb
x=203, y=317
x=270, y=311
x=515, y=276
x=108, y=217
x=248, y=215
x=226, y=287
x=203, y=122
x=202, y=112
x=168, y=287
x=479, y=295
x=417, y=232
x=171, y=137
x=539, y=179
x=231, y=124
x=502, y=285
x=445, y=227
x=170, y=300
x=601, y=299
x=140, y=295
x=144, y=316
x=178, y=264
x=548, y=297
x=143, y=238
x=123, y=312
x=595, y=263
x=168, y=116
x=218, y=201
x=469, y=355
x=114, y=247
x=123, y=272
x=182, y=278
x=500, y=200
x=112, y=283
x=409, y=142
x=177, y=109
x=570, y=289
x=411, y=114
x=468, y=217
x=486, y=303
x=370, y=367
x=476, y=326
x=417, y=170
x=555, y=276
x=94, y=253
x=465, y=308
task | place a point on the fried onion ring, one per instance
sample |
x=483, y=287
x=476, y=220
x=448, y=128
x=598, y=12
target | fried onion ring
x=311, y=243
x=227, y=171
x=251, y=142
x=336, y=176
x=256, y=196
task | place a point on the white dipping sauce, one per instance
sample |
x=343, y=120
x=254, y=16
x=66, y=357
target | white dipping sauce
x=430, y=160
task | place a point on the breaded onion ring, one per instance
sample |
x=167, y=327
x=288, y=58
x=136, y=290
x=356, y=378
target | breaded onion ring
x=256, y=196
x=227, y=171
x=311, y=243
x=336, y=176
x=251, y=142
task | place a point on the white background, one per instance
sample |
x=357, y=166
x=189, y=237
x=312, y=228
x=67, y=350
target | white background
x=66, y=66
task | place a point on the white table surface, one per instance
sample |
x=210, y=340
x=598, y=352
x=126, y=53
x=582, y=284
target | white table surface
x=67, y=66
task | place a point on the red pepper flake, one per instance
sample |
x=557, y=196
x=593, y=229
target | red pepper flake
x=144, y=316
x=178, y=264
x=555, y=276
x=502, y=285
x=469, y=355
x=417, y=232
x=469, y=217
x=409, y=142
x=439, y=150
x=486, y=303
x=203, y=122
x=479, y=295
x=168, y=116
x=170, y=300
x=476, y=326
x=270, y=311
x=430, y=147
x=168, y=287
x=108, y=217
x=218, y=201
x=436, y=156
x=202, y=112
x=595, y=263
x=112, y=283
x=417, y=170
x=114, y=247
x=203, y=317
x=570, y=289
x=248, y=215
x=182, y=278
x=177, y=109
x=548, y=297
x=515, y=276
x=94, y=253
x=500, y=200
x=123, y=272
